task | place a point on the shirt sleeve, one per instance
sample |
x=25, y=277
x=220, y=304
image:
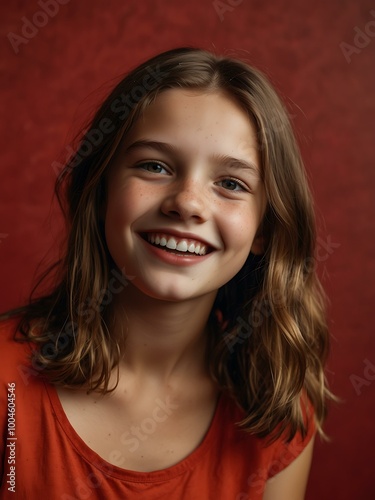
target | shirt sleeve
x=286, y=452
x=12, y=359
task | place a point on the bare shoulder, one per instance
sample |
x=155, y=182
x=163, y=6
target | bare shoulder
x=290, y=484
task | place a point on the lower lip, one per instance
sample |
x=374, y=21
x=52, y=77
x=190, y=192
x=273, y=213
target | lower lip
x=174, y=258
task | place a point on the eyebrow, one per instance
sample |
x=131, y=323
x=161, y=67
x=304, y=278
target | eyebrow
x=164, y=147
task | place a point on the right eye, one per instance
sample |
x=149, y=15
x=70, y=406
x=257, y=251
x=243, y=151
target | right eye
x=153, y=167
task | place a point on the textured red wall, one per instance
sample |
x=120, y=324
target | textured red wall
x=314, y=53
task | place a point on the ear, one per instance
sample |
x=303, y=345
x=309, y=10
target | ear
x=257, y=248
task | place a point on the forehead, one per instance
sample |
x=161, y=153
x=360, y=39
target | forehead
x=197, y=120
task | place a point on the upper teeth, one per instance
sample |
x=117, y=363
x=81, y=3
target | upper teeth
x=179, y=245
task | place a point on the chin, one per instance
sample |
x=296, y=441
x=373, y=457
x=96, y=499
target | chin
x=170, y=295
x=174, y=292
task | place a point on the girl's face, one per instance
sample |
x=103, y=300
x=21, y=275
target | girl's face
x=185, y=196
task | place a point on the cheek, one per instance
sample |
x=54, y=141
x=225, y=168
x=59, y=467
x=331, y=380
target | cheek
x=238, y=228
x=117, y=218
x=125, y=204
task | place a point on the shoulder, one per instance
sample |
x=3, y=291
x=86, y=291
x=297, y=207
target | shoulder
x=15, y=352
x=284, y=451
x=255, y=462
x=11, y=344
x=291, y=460
x=17, y=368
x=271, y=457
x=21, y=388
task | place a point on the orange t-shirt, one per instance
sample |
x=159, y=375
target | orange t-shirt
x=42, y=455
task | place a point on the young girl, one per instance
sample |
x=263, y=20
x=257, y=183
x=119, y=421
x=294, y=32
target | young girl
x=180, y=354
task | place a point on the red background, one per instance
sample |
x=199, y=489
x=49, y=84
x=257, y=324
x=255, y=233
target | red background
x=82, y=50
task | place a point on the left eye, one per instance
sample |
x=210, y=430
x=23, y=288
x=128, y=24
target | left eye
x=232, y=185
x=153, y=166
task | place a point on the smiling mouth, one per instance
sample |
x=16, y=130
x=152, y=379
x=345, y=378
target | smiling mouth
x=180, y=246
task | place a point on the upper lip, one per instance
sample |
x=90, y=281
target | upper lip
x=180, y=235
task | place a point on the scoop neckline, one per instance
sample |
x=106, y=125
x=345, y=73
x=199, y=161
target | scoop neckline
x=95, y=460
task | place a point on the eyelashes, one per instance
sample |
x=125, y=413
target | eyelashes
x=231, y=184
x=228, y=183
x=154, y=167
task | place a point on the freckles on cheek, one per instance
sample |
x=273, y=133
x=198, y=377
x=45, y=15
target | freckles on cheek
x=239, y=232
x=237, y=222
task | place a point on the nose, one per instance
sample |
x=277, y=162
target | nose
x=187, y=200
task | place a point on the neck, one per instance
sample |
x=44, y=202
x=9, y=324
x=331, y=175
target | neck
x=162, y=339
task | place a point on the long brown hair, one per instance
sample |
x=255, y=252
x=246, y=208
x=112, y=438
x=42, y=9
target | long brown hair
x=269, y=337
